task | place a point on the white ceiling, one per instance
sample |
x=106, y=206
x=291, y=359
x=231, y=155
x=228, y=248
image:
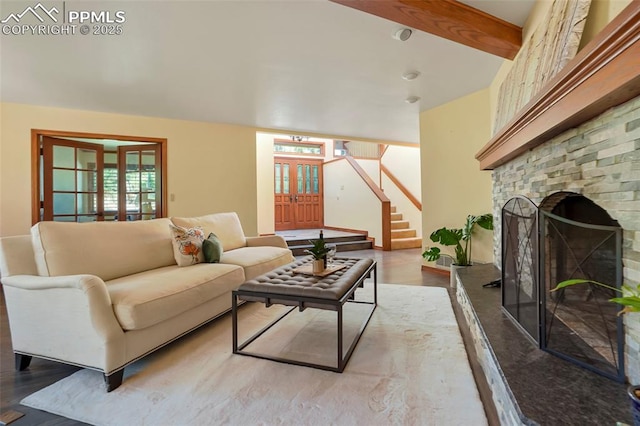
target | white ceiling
x=302, y=66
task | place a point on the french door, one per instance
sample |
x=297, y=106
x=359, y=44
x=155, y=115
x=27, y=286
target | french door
x=139, y=182
x=298, y=194
x=72, y=181
x=79, y=185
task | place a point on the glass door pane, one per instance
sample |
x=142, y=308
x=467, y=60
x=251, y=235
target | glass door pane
x=132, y=182
x=316, y=180
x=307, y=179
x=148, y=187
x=278, y=177
x=300, y=176
x=285, y=179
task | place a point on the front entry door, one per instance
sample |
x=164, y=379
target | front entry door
x=298, y=194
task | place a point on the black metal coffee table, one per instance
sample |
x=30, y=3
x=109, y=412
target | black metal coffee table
x=286, y=286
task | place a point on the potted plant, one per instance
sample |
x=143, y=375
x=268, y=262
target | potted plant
x=460, y=238
x=319, y=252
x=630, y=300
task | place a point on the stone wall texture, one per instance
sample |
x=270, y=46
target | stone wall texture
x=600, y=159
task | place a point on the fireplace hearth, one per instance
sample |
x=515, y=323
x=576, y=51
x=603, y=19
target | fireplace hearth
x=567, y=236
x=530, y=386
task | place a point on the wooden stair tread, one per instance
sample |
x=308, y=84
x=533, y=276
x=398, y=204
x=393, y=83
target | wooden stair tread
x=399, y=224
x=406, y=243
x=403, y=233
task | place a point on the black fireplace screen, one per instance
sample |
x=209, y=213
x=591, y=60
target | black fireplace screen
x=580, y=324
x=569, y=236
x=520, y=264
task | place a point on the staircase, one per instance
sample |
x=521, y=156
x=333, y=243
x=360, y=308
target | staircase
x=347, y=243
x=402, y=236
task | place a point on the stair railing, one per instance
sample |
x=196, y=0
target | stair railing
x=384, y=201
x=401, y=187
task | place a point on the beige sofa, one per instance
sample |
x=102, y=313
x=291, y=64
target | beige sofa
x=101, y=295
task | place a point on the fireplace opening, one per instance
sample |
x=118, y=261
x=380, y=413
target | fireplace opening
x=567, y=236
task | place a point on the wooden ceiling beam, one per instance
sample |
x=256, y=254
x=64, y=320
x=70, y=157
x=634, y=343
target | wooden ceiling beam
x=449, y=19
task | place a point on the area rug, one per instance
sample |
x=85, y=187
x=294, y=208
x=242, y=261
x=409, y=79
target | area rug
x=409, y=368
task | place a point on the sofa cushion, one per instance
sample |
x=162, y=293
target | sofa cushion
x=106, y=249
x=150, y=297
x=187, y=245
x=257, y=260
x=212, y=249
x=225, y=225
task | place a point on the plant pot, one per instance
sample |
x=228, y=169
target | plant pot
x=318, y=265
x=452, y=274
x=634, y=396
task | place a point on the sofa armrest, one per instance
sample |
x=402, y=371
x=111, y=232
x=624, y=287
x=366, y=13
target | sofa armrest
x=65, y=318
x=267, y=240
x=34, y=282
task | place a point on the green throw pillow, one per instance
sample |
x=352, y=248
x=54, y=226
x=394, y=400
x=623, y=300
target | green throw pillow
x=212, y=249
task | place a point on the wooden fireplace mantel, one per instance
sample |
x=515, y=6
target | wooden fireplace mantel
x=605, y=73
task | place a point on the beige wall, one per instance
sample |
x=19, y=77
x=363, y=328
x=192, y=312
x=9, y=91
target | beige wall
x=211, y=167
x=371, y=168
x=265, y=183
x=404, y=163
x=452, y=184
x=348, y=201
x=601, y=13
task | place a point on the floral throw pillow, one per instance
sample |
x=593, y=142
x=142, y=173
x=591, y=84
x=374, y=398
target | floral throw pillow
x=187, y=245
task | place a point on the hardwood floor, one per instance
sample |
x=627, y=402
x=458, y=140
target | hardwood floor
x=394, y=267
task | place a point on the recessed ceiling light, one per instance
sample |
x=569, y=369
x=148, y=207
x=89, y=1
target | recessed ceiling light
x=412, y=99
x=410, y=75
x=402, y=34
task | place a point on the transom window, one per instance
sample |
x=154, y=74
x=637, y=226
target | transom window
x=283, y=146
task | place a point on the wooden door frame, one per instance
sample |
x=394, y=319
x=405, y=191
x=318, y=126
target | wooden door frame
x=35, y=163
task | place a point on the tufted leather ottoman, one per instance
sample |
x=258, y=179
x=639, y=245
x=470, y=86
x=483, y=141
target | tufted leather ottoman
x=285, y=286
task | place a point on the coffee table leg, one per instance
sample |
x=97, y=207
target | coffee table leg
x=375, y=284
x=340, y=358
x=234, y=321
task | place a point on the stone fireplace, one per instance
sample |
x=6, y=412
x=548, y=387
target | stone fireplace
x=565, y=165
x=595, y=169
x=580, y=133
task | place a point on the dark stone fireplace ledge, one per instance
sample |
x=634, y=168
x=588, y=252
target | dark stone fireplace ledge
x=531, y=386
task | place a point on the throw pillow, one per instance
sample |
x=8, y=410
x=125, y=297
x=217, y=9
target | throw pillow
x=212, y=249
x=187, y=244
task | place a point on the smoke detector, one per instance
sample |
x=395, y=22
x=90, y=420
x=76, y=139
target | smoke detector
x=402, y=34
x=410, y=75
x=412, y=99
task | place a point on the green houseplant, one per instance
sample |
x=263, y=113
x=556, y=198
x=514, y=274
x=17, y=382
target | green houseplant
x=460, y=238
x=630, y=300
x=319, y=251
